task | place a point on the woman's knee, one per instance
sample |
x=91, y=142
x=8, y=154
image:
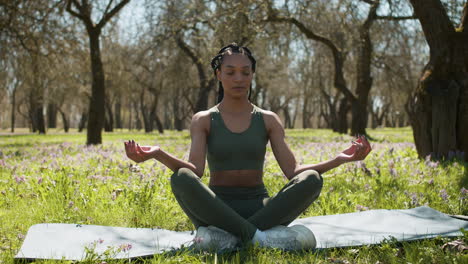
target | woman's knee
x=182, y=178
x=312, y=179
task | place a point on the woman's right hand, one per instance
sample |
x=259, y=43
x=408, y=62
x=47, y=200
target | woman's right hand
x=139, y=153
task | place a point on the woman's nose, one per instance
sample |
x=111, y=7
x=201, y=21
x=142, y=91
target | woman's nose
x=238, y=77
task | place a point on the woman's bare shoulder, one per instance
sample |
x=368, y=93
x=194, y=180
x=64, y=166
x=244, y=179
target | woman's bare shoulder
x=271, y=119
x=201, y=120
x=269, y=116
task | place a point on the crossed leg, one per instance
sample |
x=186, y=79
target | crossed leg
x=204, y=208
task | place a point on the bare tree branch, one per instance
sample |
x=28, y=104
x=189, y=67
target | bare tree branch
x=108, y=6
x=107, y=16
x=464, y=18
x=339, y=81
x=396, y=18
x=73, y=13
x=370, y=2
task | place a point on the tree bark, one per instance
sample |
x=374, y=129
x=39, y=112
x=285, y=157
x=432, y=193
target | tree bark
x=364, y=79
x=438, y=109
x=342, y=126
x=109, y=118
x=39, y=119
x=13, y=109
x=306, y=113
x=118, y=113
x=83, y=121
x=66, y=124
x=52, y=115
x=98, y=94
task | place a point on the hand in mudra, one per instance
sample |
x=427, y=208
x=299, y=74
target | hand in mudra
x=359, y=150
x=139, y=153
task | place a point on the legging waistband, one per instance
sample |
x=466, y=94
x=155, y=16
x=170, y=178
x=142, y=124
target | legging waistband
x=240, y=193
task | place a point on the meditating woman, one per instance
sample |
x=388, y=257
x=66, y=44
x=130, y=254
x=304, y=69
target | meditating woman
x=233, y=135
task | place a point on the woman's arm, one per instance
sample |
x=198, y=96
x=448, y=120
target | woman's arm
x=196, y=162
x=287, y=162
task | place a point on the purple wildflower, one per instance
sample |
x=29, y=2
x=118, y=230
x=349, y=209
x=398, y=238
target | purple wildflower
x=20, y=179
x=125, y=247
x=377, y=170
x=414, y=199
x=431, y=181
x=393, y=172
x=443, y=194
x=2, y=163
x=361, y=208
x=463, y=193
x=429, y=163
x=39, y=180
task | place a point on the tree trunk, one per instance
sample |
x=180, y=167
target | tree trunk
x=438, y=109
x=178, y=122
x=36, y=114
x=159, y=124
x=66, y=124
x=342, y=125
x=364, y=79
x=97, y=102
x=118, y=113
x=39, y=118
x=83, y=121
x=52, y=115
x=13, y=107
x=305, y=113
x=109, y=118
x=148, y=124
x=82, y=11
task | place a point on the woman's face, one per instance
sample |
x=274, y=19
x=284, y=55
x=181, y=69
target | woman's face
x=236, y=75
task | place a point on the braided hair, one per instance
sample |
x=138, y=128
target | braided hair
x=218, y=60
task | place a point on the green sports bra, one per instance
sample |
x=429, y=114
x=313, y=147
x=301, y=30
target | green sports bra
x=236, y=151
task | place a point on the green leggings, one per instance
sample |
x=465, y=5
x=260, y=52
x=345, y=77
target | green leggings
x=243, y=210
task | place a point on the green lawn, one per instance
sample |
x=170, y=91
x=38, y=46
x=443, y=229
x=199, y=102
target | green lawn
x=56, y=178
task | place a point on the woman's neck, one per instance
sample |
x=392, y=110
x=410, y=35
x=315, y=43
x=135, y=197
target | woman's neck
x=235, y=106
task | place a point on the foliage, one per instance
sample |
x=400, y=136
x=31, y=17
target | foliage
x=55, y=178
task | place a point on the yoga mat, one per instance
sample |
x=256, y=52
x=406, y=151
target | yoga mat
x=71, y=241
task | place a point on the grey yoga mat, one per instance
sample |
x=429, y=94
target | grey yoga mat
x=77, y=242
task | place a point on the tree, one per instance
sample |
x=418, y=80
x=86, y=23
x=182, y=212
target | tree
x=439, y=106
x=358, y=100
x=83, y=11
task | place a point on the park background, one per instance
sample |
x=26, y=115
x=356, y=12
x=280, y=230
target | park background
x=79, y=77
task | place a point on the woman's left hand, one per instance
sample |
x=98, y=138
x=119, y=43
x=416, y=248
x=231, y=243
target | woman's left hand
x=359, y=150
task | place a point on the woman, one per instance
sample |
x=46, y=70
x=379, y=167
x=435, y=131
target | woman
x=232, y=135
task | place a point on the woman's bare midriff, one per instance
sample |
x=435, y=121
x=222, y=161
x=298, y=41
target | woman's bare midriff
x=236, y=178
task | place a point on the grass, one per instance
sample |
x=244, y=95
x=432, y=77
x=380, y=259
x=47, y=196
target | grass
x=56, y=178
